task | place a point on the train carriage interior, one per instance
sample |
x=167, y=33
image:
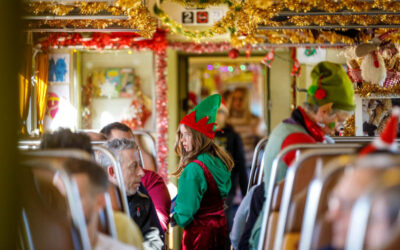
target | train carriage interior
x=201, y=124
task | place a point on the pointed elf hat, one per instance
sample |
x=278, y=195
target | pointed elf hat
x=203, y=117
x=386, y=141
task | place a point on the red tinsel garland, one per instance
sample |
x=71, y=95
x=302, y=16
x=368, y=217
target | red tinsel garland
x=162, y=115
x=100, y=41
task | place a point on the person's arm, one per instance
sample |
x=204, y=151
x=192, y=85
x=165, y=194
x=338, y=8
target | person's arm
x=256, y=206
x=240, y=219
x=159, y=194
x=191, y=188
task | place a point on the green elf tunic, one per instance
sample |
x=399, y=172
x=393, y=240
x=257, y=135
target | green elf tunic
x=192, y=186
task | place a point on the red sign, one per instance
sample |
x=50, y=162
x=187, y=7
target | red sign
x=202, y=17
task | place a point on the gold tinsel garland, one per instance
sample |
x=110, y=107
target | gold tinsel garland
x=367, y=89
x=241, y=20
x=349, y=126
x=140, y=17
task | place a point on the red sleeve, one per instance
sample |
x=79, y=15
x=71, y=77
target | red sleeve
x=295, y=138
x=159, y=194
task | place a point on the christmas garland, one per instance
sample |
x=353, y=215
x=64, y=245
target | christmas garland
x=368, y=89
x=139, y=16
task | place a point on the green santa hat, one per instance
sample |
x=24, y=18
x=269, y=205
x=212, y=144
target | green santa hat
x=331, y=85
x=202, y=117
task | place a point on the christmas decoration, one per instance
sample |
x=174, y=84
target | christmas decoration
x=386, y=140
x=269, y=58
x=139, y=16
x=233, y=53
x=349, y=128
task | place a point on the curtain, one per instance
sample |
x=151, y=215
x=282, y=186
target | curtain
x=24, y=79
x=42, y=74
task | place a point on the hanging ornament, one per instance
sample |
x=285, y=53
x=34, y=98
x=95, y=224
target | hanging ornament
x=269, y=58
x=373, y=68
x=296, y=68
x=233, y=53
x=248, y=51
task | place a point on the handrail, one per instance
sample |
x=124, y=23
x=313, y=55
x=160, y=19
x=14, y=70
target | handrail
x=65, y=152
x=110, y=216
x=289, y=184
x=73, y=198
x=313, y=200
x=356, y=139
x=273, y=175
x=119, y=176
x=261, y=144
x=26, y=232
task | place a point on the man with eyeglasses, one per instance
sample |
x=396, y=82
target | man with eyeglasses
x=140, y=205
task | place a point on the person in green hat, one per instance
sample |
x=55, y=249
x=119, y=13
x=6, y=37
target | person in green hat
x=204, y=179
x=330, y=101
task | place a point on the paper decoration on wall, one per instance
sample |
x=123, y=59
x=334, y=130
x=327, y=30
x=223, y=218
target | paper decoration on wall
x=59, y=68
x=59, y=111
x=52, y=104
x=113, y=82
x=269, y=58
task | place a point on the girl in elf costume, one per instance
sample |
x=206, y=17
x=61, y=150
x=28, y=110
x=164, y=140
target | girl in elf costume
x=204, y=179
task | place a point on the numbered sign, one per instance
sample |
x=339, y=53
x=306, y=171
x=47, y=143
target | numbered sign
x=187, y=17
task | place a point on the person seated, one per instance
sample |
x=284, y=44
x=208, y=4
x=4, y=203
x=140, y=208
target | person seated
x=140, y=205
x=92, y=184
x=384, y=220
x=152, y=182
x=329, y=103
x=349, y=188
x=127, y=230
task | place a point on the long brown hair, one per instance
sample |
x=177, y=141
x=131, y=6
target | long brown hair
x=201, y=144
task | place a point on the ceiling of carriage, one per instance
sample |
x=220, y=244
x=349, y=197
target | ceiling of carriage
x=286, y=22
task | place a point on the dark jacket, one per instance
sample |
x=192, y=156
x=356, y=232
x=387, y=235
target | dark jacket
x=232, y=143
x=142, y=211
x=257, y=202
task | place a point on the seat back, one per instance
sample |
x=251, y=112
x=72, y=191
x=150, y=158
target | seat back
x=255, y=177
x=298, y=177
x=53, y=220
x=360, y=215
x=106, y=219
x=273, y=176
x=315, y=230
x=273, y=217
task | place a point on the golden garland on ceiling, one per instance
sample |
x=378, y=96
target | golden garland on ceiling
x=140, y=17
x=241, y=20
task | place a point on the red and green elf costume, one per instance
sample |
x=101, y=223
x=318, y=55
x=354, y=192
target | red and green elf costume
x=202, y=187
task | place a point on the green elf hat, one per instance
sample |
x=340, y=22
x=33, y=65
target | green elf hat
x=331, y=84
x=203, y=117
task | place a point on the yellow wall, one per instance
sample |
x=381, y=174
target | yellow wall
x=280, y=81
